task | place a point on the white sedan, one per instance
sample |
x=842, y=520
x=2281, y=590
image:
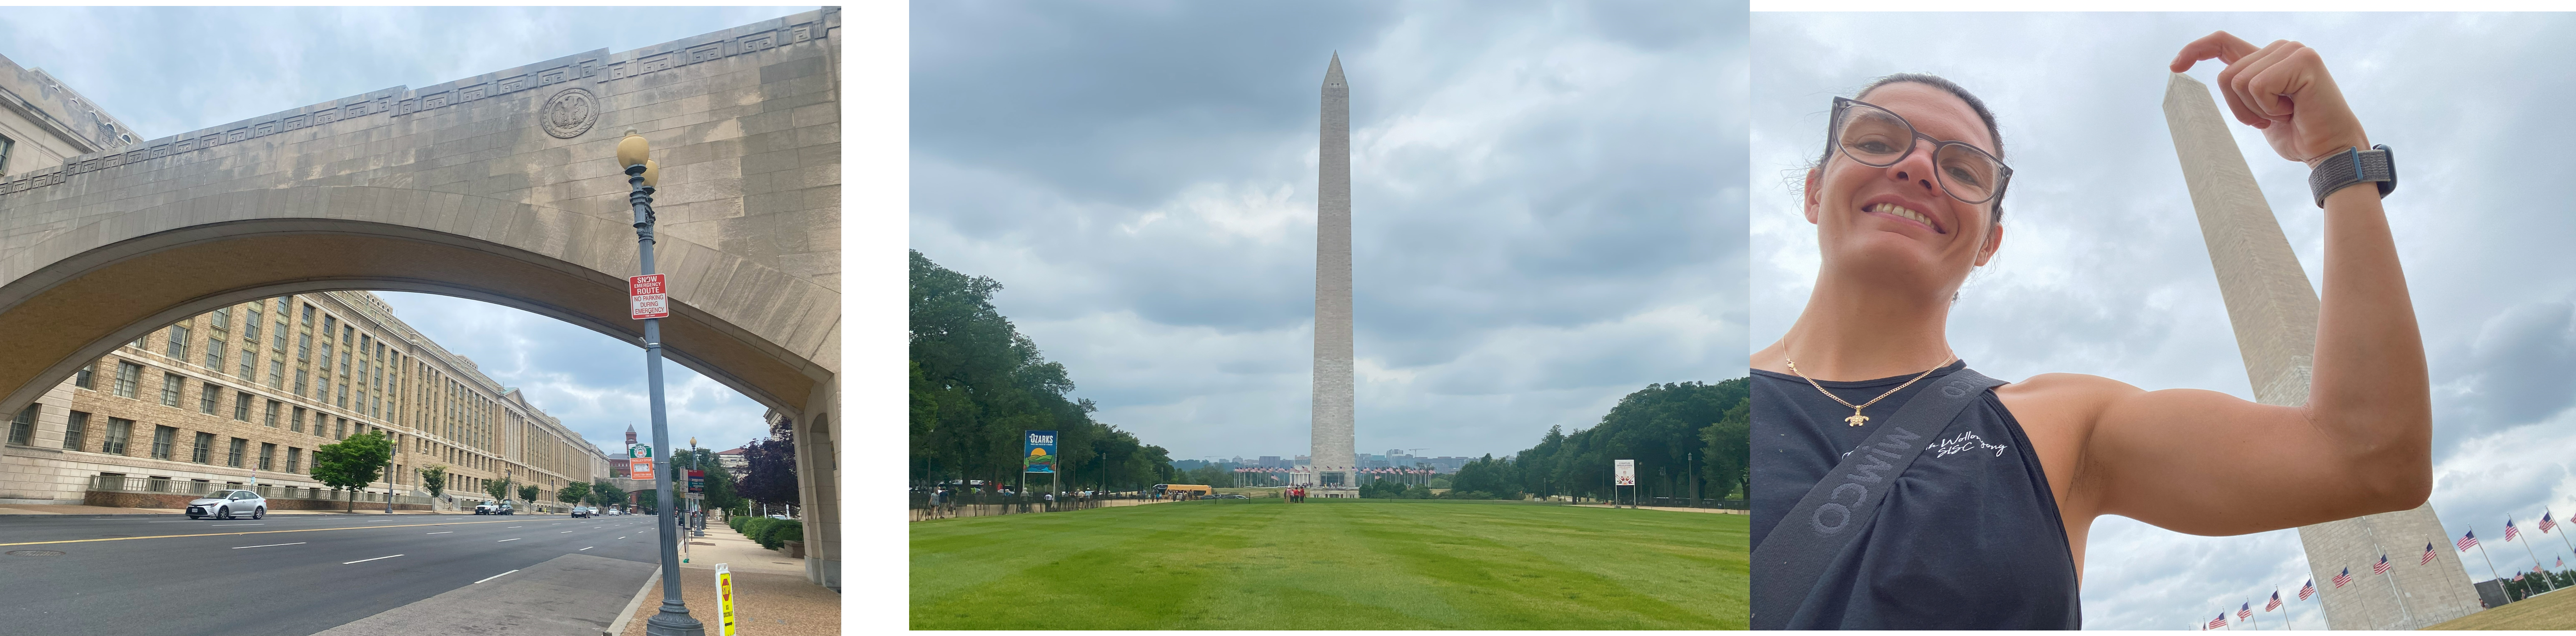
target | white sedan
x=224, y=504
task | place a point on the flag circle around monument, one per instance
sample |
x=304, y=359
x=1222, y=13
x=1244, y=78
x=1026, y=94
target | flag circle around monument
x=569, y=113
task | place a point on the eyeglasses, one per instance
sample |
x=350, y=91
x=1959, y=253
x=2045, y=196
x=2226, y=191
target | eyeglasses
x=1877, y=138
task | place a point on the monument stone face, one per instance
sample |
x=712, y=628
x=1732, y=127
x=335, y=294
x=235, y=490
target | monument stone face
x=1334, y=451
x=2274, y=311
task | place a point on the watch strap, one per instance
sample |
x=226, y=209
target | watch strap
x=2354, y=166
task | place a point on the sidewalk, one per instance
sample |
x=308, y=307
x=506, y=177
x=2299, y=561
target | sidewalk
x=771, y=595
x=1721, y=511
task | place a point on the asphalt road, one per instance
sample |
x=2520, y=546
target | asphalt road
x=289, y=575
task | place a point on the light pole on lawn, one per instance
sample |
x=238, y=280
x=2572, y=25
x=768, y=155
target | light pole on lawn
x=674, y=619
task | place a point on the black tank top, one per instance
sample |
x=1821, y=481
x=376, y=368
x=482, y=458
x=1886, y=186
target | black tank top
x=1969, y=537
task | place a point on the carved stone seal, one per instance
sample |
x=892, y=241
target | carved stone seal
x=569, y=113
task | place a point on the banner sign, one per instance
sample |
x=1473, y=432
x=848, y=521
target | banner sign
x=639, y=451
x=724, y=598
x=697, y=481
x=639, y=469
x=1627, y=472
x=1041, y=453
x=644, y=295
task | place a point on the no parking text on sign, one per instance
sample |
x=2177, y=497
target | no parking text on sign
x=645, y=295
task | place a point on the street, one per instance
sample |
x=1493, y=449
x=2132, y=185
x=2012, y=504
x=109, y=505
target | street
x=288, y=575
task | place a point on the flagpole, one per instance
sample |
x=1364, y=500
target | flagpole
x=2390, y=573
x=2249, y=615
x=2562, y=537
x=2526, y=549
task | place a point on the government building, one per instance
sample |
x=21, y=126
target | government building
x=241, y=396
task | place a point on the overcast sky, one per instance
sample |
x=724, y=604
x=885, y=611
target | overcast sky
x=2106, y=272
x=1546, y=206
x=166, y=71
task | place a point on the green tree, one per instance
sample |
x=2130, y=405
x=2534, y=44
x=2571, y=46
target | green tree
x=529, y=493
x=499, y=489
x=1663, y=427
x=434, y=479
x=606, y=494
x=1729, y=451
x=573, y=493
x=352, y=463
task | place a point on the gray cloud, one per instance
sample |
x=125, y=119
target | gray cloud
x=2104, y=270
x=1546, y=203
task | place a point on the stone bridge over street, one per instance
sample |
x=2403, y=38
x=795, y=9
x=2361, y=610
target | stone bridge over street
x=500, y=188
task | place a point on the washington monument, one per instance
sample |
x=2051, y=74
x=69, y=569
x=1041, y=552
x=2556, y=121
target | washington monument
x=2274, y=311
x=1334, y=458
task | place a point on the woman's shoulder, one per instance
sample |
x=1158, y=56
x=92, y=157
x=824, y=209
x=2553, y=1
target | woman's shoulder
x=2062, y=397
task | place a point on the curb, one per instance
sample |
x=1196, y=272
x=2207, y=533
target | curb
x=628, y=616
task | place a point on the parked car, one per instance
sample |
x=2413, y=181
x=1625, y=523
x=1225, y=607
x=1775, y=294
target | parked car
x=580, y=512
x=615, y=512
x=223, y=504
x=505, y=509
x=487, y=508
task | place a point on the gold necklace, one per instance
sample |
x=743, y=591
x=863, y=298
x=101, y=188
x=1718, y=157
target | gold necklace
x=1857, y=419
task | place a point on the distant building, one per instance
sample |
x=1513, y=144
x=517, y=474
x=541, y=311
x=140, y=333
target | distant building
x=1273, y=461
x=734, y=462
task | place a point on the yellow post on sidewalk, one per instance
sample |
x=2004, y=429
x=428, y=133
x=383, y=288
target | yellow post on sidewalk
x=724, y=599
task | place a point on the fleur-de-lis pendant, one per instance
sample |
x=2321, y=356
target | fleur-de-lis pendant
x=1857, y=419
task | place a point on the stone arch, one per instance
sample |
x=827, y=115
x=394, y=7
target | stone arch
x=78, y=294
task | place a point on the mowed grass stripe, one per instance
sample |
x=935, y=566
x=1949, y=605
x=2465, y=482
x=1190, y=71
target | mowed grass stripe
x=1368, y=564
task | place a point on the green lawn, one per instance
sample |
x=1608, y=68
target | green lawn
x=1332, y=564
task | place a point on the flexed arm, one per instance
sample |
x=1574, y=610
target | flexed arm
x=2207, y=463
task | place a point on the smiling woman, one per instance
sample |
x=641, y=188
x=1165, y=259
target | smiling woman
x=1855, y=525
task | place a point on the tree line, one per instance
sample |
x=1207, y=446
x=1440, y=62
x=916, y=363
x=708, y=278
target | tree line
x=977, y=384
x=1674, y=432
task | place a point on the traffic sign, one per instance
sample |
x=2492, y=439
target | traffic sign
x=724, y=598
x=646, y=297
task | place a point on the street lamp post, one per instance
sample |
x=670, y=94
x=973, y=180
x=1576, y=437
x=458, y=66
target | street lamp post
x=674, y=618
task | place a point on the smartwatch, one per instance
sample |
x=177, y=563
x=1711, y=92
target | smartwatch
x=2354, y=166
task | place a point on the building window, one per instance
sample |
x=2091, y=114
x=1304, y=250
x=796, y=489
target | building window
x=162, y=436
x=303, y=346
x=22, y=429
x=308, y=314
x=277, y=342
x=75, y=429
x=170, y=388
x=221, y=319
x=84, y=377
x=234, y=456
x=178, y=348
x=207, y=396
x=340, y=431
x=249, y=364
x=241, y=405
x=129, y=379
x=277, y=374
x=294, y=459
x=326, y=352
x=250, y=323
x=267, y=451
x=322, y=386
x=344, y=363
x=272, y=413
x=215, y=355
x=330, y=323
x=205, y=446
x=297, y=424
x=5, y=145
x=343, y=400
x=118, y=429
x=284, y=304
x=300, y=378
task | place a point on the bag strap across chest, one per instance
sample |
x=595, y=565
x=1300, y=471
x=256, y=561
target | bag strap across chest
x=1794, y=555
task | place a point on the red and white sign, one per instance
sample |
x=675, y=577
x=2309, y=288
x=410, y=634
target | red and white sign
x=644, y=295
x=639, y=469
x=1627, y=472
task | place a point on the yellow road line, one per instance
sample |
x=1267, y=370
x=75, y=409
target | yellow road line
x=227, y=534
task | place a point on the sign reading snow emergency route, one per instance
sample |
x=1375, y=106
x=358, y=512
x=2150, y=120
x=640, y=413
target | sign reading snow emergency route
x=644, y=295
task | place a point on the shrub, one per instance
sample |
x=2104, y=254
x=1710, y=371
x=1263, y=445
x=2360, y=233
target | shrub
x=777, y=532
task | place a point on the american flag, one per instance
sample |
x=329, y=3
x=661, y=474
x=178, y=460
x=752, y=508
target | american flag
x=2245, y=611
x=2276, y=601
x=2341, y=579
x=2545, y=523
x=2216, y=623
x=2381, y=567
x=2469, y=540
x=2307, y=590
x=2509, y=530
x=2428, y=554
